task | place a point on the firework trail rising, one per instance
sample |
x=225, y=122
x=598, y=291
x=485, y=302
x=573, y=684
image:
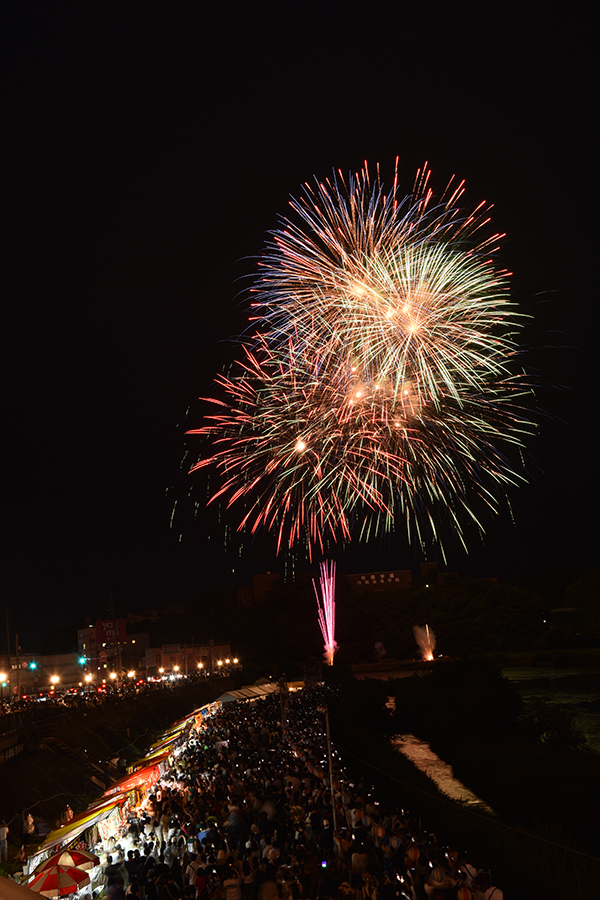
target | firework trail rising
x=379, y=388
x=326, y=604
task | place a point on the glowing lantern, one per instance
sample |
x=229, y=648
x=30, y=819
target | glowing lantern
x=413, y=854
x=394, y=841
x=358, y=814
x=367, y=821
x=380, y=831
x=463, y=893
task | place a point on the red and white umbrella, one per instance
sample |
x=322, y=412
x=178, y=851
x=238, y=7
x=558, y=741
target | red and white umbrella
x=58, y=881
x=77, y=859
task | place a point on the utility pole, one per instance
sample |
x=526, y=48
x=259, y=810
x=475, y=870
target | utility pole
x=282, y=688
x=111, y=607
x=325, y=709
x=18, y=667
x=8, y=659
x=6, y=616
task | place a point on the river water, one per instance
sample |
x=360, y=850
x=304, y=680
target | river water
x=420, y=753
x=577, y=688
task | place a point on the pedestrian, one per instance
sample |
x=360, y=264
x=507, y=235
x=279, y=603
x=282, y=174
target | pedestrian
x=3, y=841
x=28, y=826
x=232, y=885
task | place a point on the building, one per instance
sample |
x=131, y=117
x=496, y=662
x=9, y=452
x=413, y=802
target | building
x=262, y=584
x=106, y=647
x=244, y=594
x=381, y=581
x=429, y=573
x=35, y=673
x=182, y=658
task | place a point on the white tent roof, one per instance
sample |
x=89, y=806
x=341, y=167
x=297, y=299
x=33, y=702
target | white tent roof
x=248, y=692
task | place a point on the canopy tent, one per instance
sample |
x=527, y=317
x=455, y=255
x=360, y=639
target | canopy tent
x=181, y=723
x=249, y=692
x=172, y=734
x=81, y=822
x=10, y=890
x=153, y=759
x=163, y=745
x=208, y=709
x=146, y=776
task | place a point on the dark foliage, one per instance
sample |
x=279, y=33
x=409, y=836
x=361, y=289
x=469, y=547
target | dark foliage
x=468, y=696
x=543, y=722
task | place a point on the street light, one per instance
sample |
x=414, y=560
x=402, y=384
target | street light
x=3, y=681
x=54, y=679
x=112, y=676
x=88, y=678
x=131, y=674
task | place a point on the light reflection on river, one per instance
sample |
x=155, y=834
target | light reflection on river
x=420, y=753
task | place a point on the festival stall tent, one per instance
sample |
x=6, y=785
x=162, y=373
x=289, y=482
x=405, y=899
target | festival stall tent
x=106, y=814
x=10, y=890
x=145, y=777
x=156, y=759
x=249, y=692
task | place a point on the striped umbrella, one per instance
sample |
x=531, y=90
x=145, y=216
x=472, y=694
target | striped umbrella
x=58, y=881
x=77, y=859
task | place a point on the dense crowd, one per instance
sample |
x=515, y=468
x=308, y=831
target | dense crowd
x=79, y=698
x=247, y=813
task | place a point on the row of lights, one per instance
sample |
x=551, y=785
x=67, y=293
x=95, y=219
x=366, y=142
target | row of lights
x=55, y=679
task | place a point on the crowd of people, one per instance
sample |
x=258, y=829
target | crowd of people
x=246, y=812
x=84, y=696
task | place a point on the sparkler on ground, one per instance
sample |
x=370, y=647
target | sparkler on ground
x=378, y=388
x=425, y=638
x=326, y=604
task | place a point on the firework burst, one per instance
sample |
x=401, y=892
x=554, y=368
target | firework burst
x=378, y=387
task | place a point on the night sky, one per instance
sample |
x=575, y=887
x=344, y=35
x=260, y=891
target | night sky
x=149, y=149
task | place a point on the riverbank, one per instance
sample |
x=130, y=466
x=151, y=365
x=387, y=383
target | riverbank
x=529, y=863
x=575, y=687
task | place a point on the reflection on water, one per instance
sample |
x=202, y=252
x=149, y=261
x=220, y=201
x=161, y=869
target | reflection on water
x=420, y=753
